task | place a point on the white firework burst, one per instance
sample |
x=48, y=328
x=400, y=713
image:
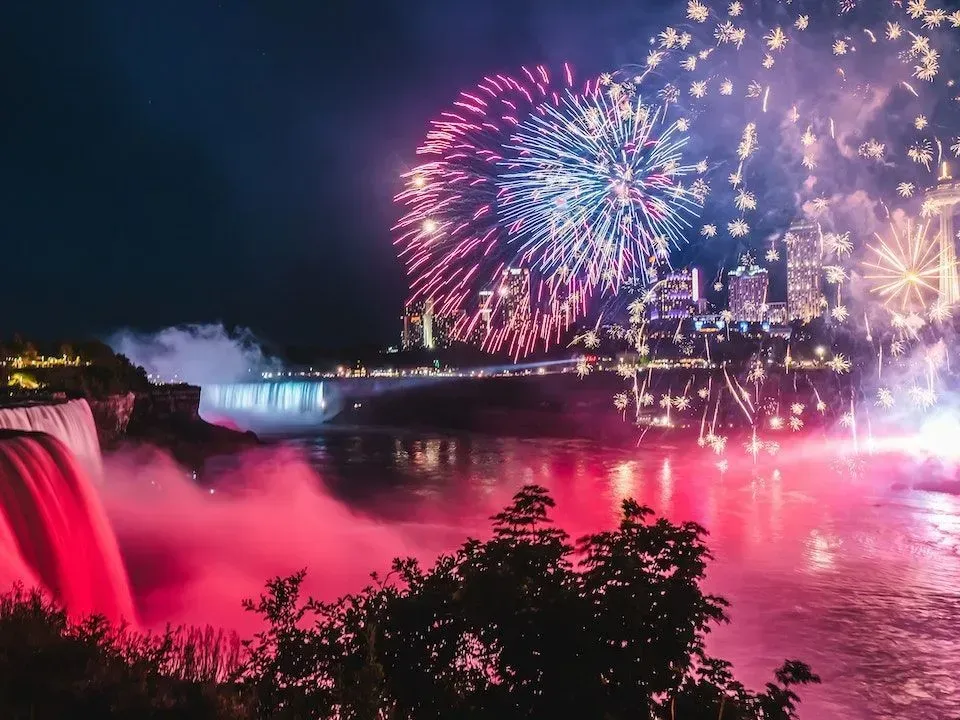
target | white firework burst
x=839, y=364
x=835, y=274
x=697, y=11
x=738, y=228
x=873, y=149
x=940, y=312
x=745, y=200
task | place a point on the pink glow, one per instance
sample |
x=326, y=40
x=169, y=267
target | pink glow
x=193, y=556
x=51, y=521
x=821, y=554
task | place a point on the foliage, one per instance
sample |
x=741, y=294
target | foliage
x=102, y=372
x=526, y=624
x=54, y=667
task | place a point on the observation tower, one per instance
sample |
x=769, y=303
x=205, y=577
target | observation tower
x=941, y=200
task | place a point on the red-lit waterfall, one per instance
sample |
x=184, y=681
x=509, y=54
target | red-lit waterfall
x=71, y=423
x=53, y=529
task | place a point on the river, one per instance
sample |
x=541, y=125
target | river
x=824, y=560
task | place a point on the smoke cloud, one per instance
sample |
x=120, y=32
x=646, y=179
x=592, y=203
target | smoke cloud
x=197, y=354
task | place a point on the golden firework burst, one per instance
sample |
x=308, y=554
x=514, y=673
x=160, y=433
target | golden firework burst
x=905, y=267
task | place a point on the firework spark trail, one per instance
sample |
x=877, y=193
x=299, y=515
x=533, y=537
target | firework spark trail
x=703, y=421
x=451, y=237
x=737, y=395
x=716, y=411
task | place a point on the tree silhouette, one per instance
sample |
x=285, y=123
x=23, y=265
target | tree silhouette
x=523, y=625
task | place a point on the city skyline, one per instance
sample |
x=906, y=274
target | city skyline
x=161, y=175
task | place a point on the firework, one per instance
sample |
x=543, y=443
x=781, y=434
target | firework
x=905, y=268
x=596, y=189
x=451, y=238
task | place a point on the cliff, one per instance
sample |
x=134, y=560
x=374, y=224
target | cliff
x=167, y=417
x=112, y=416
x=166, y=403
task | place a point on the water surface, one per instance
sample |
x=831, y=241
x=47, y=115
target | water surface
x=823, y=560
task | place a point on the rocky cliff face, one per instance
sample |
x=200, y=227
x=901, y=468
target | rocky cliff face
x=112, y=416
x=168, y=417
x=164, y=403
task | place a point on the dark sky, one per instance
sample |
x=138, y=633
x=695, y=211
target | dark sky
x=172, y=161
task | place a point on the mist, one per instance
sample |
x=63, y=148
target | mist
x=193, y=555
x=196, y=354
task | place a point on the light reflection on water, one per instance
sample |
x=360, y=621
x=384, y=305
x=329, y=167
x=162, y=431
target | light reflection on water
x=821, y=563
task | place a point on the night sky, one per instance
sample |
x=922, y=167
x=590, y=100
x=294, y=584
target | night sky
x=166, y=162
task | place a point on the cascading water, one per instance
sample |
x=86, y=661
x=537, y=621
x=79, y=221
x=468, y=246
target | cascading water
x=70, y=422
x=53, y=529
x=268, y=397
x=267, y=406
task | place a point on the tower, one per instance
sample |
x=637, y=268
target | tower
x=429, y=339
x=804, y=267
x=942, y=200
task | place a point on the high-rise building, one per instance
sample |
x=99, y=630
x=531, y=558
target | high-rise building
x=514, y=304
x=678, y=294
x=748, y=293
x=429, y=325
x=804, y=269
x=424, y=328
x=776, y=313
x=486, y=312
x=943, y=200
x=412, y=336
x=443, y=330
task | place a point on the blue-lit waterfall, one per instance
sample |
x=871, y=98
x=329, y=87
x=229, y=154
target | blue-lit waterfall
x=271, y=398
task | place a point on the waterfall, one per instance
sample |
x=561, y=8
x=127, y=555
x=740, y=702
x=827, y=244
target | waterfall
x=53, y=529
x=294, y=398
x=70, y=422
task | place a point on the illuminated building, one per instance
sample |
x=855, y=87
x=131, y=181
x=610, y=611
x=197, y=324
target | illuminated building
x=777, y=313
x=708, y=323
x=424, y=329
x=514, y=291
x=442, y=329
x=413, y=335
x=679, y=294
x=748, y=293
x=486, y=309
x=429, y=318
x=804, y=268
x=942, y=200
